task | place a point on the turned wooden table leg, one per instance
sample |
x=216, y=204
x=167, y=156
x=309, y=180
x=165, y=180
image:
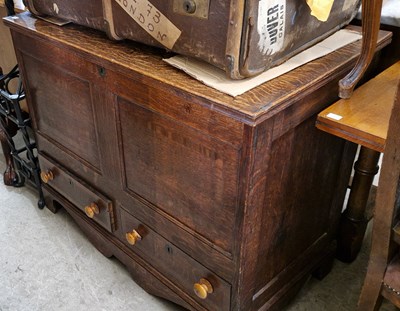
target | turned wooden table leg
x=10, y=175
x=354, y=221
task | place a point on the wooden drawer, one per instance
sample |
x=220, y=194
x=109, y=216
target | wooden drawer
x=173, y=263
x=91, y=202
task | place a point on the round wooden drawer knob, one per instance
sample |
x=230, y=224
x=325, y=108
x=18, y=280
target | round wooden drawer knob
x=203, y=288
x=91, y=210
x=133, y=237
x=46, y=176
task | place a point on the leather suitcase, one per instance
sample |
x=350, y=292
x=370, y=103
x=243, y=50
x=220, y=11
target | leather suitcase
x=242, y=37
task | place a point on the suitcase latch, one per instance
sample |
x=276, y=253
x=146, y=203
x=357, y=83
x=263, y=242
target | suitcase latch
x=194, y=8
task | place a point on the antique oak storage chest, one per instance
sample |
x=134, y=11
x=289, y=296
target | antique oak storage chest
x=213, y=202
x=243, y=37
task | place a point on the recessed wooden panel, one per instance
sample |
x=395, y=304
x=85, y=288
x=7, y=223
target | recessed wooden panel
x=190, y=176
x=296, y=208
x=64, y=104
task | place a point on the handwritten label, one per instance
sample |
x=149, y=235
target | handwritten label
x=152, y=21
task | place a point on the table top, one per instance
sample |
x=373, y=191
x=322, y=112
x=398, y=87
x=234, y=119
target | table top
x=364, y=118
x=252, y=107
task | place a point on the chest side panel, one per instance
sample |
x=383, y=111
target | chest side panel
x=301, y=207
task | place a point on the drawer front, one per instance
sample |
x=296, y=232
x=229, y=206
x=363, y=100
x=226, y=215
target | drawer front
x=92, y=203
x=173, y=263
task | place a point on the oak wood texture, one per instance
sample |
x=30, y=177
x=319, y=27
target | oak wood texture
x=83, y=196
x=143, y=273
x=383, y=272
x=365, y=116
x=169, y=260
x=244, y=192
x=251, y=108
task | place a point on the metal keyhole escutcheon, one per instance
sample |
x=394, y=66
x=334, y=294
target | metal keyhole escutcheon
x=168, y=248
x=102, y=71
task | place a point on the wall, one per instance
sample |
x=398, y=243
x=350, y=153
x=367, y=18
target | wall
x=7, y=56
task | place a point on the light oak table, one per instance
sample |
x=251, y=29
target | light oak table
x=363, y=119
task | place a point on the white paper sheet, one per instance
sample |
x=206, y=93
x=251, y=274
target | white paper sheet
x=216, y=78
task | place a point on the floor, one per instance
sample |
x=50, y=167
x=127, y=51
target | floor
x=47, y=264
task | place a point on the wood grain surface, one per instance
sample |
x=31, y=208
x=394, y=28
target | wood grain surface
x=364, y=118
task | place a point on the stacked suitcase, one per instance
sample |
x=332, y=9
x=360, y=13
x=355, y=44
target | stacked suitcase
x=242, y=37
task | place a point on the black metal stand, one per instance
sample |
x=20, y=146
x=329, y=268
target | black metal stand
x=22, y=162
